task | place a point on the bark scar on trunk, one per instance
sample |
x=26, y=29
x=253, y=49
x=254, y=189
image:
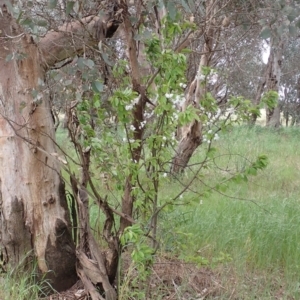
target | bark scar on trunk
x=14, y=231
x=60, y=257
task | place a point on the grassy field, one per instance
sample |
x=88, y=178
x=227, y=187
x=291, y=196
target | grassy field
x=250, y=234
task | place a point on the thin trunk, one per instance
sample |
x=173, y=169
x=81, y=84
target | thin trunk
x=191, y=134
x=287, y=117
x=256, y=101
x=138, y=112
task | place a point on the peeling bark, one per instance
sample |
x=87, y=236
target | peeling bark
x=91, y=266
x=188, y=144
x=191, y=134
x=34, y=217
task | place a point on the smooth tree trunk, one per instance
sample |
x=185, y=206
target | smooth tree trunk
x=273, y=82
x=34, y=217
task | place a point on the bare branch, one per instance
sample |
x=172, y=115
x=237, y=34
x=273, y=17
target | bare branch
x=72, y=37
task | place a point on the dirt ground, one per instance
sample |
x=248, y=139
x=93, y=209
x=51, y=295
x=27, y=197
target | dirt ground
x=170, y=279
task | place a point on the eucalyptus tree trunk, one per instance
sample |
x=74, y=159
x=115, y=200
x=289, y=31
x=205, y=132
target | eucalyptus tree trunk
x=191, y=134
x=273, y=81
x=34, y=218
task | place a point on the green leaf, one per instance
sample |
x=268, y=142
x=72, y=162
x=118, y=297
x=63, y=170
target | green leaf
x=292, y=16
x=265, y=33
x=186, y=6
x=297, y=23
x=97, y=104
x=211, y=152
x=238, y=178
x=263, y=159
x=69, y=7
x=42, y=23
x=67, y=82
x=80, y=63
x=171, y=10
x=22, y=106
x=26, y=22
x=89, y=63
x=293, y=30
x=192, y=5
x=106, y=59
x=281, y=30
x=9, y=57
x=52, y=3
x=252, y=171
x=34, y=93
x=97, y=86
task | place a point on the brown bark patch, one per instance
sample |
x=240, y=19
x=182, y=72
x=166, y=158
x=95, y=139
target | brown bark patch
x=60, y=258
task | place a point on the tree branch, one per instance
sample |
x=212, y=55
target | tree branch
x=72, y=37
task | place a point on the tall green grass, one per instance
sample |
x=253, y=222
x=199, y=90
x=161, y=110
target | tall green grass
x=255, y=229
x=17, y=284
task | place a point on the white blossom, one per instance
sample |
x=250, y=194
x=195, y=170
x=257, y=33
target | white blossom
x=132, y=128
x=216, y=137
x=177, y=99
x=168, y=96
x=231, y=110
x=129, y=107
x=218, y=113
x=200, y=76
x=41, y=82
x=135, y=101
x=173, y=136
x=175, y=116
x=148, y=115
x=165, y=175
x=142, y=124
